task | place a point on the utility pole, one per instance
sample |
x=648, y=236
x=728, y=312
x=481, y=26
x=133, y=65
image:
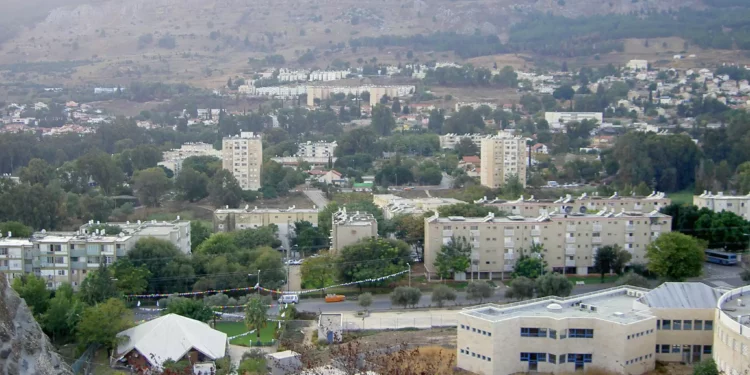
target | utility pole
x=409, y=265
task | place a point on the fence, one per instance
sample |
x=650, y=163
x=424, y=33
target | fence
x=383, y=323
x=82, y=363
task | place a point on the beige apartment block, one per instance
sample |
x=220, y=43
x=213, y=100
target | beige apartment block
x=243, y=156
x=737, y=204
x=350, y=227
x=393, y=205
x=15, y=256
x=176, y=231
x=621, y=329
x=232, y=219
x=570, y=241
x=732, y=333
x=503, y=156
x=530, y=207
x=173, y=159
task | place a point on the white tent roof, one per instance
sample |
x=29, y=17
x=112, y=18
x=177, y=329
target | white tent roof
x=171, y=337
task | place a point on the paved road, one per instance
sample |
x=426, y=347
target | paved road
x=317, y=197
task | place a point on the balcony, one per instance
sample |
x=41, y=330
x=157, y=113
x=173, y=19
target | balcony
x=655, y=236
x=655, y=227
x=570, y=263
x=78, y=253
x=474, y=244
x=570, y=228
x=121, y=252
x=508, y=233
x=508, y=256
x=596, y=240
x=597, y=228
x=3, y=268
x=78, y=265
x=447, y=233
x=93, y=252
x=536, y=241
x=475, y=255
x=630, y=239
x=570, y=240
x=536, y=232
x=92, y=265
x=508, y=268
x=474, y=233
x=570, y=251
x=36, y=263
x=509, y=243
x=629, y=227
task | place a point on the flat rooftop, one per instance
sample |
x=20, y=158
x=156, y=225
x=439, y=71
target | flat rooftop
x=14, y=242
x=257, y=210
x=491, y=218
x=615, y=305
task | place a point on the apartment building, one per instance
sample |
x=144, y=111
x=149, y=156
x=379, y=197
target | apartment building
x=530, y=207
x=173, y=159
x=348, y=228
x=319, y=149
x=243, y=156
x=503, y=156
x=619, y=329
x=232, y=219
x=450, y=140
x=15, y=256
x=376, y=92
x=177, y=231
x=393, y=205
x=732, y=334
x=737, y=204
x=557, y=120
x=570, y=241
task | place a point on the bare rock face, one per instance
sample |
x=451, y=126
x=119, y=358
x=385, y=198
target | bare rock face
x=24, y=348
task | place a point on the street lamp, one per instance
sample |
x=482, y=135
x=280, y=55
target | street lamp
x=257, y=285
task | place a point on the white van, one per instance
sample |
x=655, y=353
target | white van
x=289, y=298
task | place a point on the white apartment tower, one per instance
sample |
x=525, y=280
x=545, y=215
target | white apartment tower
x=243, y=155
x=503, y=155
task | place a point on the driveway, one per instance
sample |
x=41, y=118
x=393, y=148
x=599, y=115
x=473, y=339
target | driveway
x=317, y=197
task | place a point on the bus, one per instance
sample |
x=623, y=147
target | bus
x=721, y=257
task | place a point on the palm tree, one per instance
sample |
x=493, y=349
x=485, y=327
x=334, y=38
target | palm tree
x=255, y=315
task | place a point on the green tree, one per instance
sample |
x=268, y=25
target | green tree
x=365, y=300
x=33, y=290
x=189, y=308
x=37, y=171
x=553, y=284
x=396, y=107
x=307, y=238
x=191, y=184
x=130, y=279
x=164, y=261
x=530, y=265
x=706, y=367
x=99, y=286
x=100, y=324
x=442, y=293
x=102, y=168
x=611, y=258
x=467, y=210
x=676, y=256
x=466, y=147
x=723, y=230
x=318, y=272
x=207, y=165
x=479, y=290
x=256, y=315
x=436, y=120
x=60, y=319
x=520, y=288
x=453, y=257
x=224, y=190
x=382, y=120
x=15, y=229
x=151, y=184
x=199, y=232
x=633, y=279
x=564, y=92
x=406, y=296
x=506, y=78
x=384, y=257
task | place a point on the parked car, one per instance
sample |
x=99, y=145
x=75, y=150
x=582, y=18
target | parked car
x=335, y=298
x=289, y=298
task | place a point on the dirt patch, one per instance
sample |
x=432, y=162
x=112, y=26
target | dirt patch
x=441, y=337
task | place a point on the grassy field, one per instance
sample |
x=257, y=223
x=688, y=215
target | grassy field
x=267, y=334
x=682, y=197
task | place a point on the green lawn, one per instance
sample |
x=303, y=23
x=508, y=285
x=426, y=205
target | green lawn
x=682, y=197
x=267, y=334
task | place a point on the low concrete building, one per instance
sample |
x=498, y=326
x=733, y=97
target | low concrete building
x=177, y=231
x=620, y=329
x=737, y=204
x=393, y=205
x=349, y=228
x=557, y=120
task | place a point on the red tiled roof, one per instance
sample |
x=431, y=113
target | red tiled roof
x=471, y=159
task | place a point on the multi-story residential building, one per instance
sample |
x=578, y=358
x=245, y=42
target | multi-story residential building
x=173, y=159
x=503, y=156
x=348, y=228
x=637, y=65
x=584, y=203
x=232, y=219
x=15, y=256
x=737, y=204
x=449, y=141
x=177, y=231
x=570, y=241
x=732, y=334
x=243, y=156
x=557, y=120
x=620, y=330
x=376, y=92
x=393, y=205
x=316, y=149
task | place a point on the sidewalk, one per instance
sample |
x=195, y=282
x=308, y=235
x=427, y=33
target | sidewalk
x=402, y=319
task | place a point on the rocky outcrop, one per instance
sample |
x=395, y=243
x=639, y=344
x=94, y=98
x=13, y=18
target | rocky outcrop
x=24, y=348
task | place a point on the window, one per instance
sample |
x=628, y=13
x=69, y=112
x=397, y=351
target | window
x=552, y=334
x=698, y=324
x=664, y=348
x=658, y=324
x=562, y=358
x=675, y=348
x=3, y=251
x=581, y=333
x=534, y=357
x=687, y=325
x=552, y=358
x=60, y=260
x=708, y=325
x=666, y=325
x=707, y=349
x=677, y=325
x=533, y=332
